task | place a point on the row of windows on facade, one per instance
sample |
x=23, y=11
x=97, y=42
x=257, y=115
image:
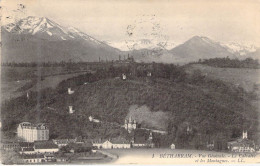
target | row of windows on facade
x=29, y=132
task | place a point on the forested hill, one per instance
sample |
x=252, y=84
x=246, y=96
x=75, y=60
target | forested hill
x=214, y=110
x=231, y=63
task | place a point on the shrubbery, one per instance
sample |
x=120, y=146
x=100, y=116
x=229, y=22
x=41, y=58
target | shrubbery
x=214, y=109
x=231, y=63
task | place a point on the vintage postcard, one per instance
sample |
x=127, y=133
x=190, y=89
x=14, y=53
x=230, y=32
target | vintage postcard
x=130, y=82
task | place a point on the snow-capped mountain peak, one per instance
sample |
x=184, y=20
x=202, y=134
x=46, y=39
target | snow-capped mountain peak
x=45, y=28
x=25, y=38
x=29, y=25
x=240, y=49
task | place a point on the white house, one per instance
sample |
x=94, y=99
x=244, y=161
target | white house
x=115, y=143
x=46, y=150
x=71, y=111
x=172, y=146
x=45, y=147
x=70, y=91
x=96, y=120
x=27, y=151
x=107, y=145
x=91, y=119
x=63, y=142
x=33, y=158
x=124, y=76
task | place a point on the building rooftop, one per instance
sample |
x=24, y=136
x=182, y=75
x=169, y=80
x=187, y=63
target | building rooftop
x=32, y=156
x=64, y=141
x=119, y=140
x=26, y=144
x=241, y=141
x=28, y=149
x=45, y=145
x=31, y=125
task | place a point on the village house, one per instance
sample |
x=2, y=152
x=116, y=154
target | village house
x=50, y=158
x=29, y=132
x=38, y=147
x=71, y=111
x=124, y=76
x=25, y=145
x=97, y=143
x=39, y=158
x=242, y=144
x=139, y=142
x=70, y=91
x=149, y=74
x=120, y=143
x=10, y=146
x=172, y=146
x=142, y=143
x=34, y=158
x=27, y=151
x=61, y=159
x=115, y=143
x=63, y=142
x=211, y=145
x=91, y=119
x=45, y=147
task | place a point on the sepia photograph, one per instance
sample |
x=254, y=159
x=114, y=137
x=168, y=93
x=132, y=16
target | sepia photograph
x=120, y=82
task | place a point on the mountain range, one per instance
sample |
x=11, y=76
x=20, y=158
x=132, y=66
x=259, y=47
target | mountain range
x=40, y=39
x=35, y=39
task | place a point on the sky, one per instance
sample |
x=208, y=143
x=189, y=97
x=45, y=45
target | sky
x=119, y=22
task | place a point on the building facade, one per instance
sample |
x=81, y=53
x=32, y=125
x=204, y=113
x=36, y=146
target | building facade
x=35, y=158
x=115, y=143
x=172, y=146
x=140, y=142
x=130, y=124
x=29, y=132
x=242, y=144
x=10, y=146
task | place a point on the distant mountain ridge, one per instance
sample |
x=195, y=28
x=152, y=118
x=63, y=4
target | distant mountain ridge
x=43, y=27
x=38, y=39
x=200, y=48
x=35, y=39
x=240, y=49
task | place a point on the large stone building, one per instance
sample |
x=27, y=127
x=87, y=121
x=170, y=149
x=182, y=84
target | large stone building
x=29, y=132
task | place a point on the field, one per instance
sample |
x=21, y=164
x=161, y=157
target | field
x=243, y=77
x=176, y=156
x=9, y=89
x=53, y=81
x=169, y=100
x=15, y=79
